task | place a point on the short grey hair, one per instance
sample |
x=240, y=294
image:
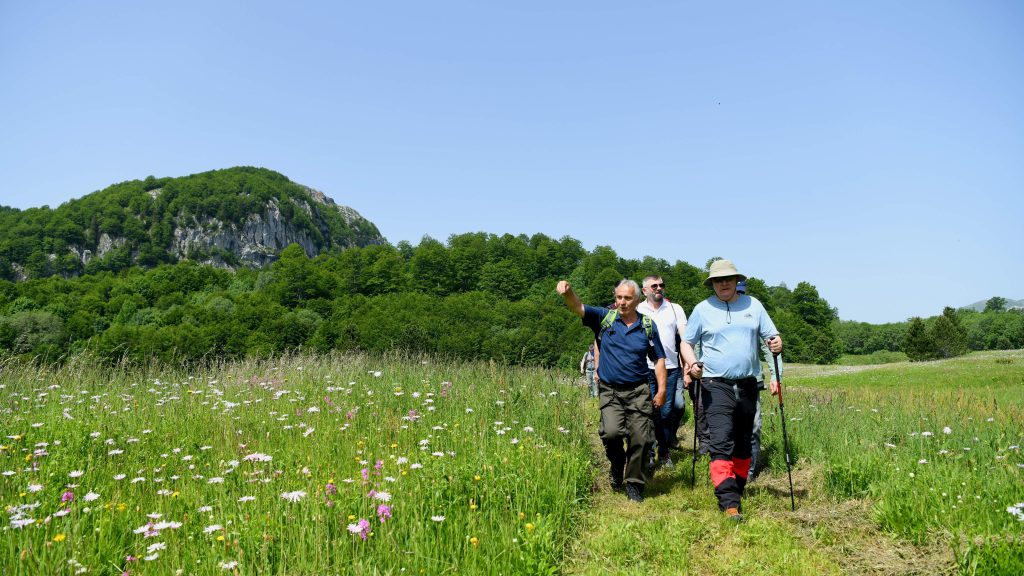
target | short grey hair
x=649, y=277
x=631, y=283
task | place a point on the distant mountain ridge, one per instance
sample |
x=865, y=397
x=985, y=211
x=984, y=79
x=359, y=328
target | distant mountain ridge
x=979, y=306
x=241, y=216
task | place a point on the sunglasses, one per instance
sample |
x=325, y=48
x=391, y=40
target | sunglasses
x=662, y=285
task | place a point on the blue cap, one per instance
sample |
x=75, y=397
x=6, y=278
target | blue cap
x=741, y=286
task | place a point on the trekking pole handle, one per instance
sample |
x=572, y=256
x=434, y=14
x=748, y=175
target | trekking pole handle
x=778, y=375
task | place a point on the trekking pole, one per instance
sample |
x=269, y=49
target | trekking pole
x=696, y=406
x=785, y=439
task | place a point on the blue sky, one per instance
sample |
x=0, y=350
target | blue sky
x=873, y=149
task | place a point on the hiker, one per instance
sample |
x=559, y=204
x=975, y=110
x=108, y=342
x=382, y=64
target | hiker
x=671, y=322
x=587, y=369
x=625, y=340
x=755, y=433
x=728, y=326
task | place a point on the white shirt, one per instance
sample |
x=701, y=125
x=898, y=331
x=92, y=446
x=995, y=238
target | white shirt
x=670, y=319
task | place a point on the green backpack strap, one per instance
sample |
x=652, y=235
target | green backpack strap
x=606, y=323
x=649, y=330
x=646, y=321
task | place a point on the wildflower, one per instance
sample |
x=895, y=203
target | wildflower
x=75, y=473
x=35, y=487
x=67, y=496
x=89, y=497
x=1017, y=510
x=926, y=433
x=947, y=430
x=119, y=476
x=922, y=461
x=362, y=528
x=60, y=537
x=530, y=526
x=474, y=541
x=204, y=509
x=229, y=565
x=155, y=547
x=246, y=498
x=215, y=480
x=382, y=496
x=293, y=496
x=151, y=557
x=437, y=518
x=212, y=528
x=383, y=512
x=330, y=489
x=258, y=457
x=115, y=452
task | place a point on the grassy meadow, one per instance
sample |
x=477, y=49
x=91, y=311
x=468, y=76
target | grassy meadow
x=398, y=465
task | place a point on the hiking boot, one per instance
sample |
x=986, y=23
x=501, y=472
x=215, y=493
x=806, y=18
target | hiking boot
x=733, y=514
x=635, y=493
x=667, y=463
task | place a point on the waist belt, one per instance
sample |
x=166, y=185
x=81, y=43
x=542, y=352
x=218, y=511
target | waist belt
x=625, y=386
x=748, y=381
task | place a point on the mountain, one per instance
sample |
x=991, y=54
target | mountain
x=979, y=306
x=241, y=216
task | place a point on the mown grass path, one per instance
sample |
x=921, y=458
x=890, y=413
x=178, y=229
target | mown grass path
x=836, y=528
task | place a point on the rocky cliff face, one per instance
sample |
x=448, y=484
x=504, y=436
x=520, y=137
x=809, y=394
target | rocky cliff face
x=255, y=241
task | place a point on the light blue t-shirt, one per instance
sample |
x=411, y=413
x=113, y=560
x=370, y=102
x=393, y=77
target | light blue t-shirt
x=729, y=334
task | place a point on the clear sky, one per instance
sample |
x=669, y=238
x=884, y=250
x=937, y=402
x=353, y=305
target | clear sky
x=872, y=148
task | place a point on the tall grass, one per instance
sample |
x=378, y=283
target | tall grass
x=340, y=464
x=936, y=447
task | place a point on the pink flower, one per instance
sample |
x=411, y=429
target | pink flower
x=67, y=497
x=330, y=489
x=362, y=528
x=383, y=512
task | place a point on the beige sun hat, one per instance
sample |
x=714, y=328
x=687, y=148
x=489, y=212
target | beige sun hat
x=721, y=269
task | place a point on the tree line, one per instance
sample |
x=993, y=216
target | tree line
x=951, y=333
x=476, y=296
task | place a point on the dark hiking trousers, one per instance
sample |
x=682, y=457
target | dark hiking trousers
x=665, y=420
x=729, y=406
x=627, y=416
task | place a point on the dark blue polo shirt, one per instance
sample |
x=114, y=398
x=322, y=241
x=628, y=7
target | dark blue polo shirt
x=623, y=350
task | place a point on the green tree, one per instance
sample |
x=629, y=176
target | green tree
x=919, y=343
x=949, y=335
x=995, y=304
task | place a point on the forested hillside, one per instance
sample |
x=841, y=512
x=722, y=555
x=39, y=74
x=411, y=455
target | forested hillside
x=232, y=217
x=476, y=296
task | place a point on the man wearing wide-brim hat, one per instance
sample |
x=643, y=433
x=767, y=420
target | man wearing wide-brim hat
x=729, y=327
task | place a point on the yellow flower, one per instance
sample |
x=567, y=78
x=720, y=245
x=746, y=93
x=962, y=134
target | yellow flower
x=175, y=494
x=17, y=437
x=122, y=507
x=522, y=515
x=351, y=517
x=394, y=444
x=59, y=537
x=220, y=538
x=28, y=457
x=474, y=541
x=530, y=526
x=477, y=477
